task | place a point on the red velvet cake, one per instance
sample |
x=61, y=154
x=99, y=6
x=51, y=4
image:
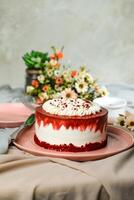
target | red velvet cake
x=71, y=125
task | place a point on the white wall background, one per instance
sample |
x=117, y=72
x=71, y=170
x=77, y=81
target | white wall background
x=98, y=33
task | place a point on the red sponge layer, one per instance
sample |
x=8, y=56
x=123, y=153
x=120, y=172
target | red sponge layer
x=71, y=147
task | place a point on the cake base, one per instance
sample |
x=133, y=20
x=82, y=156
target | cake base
x=71, y=147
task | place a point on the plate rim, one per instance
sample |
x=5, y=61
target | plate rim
x=14, y=123
x=80, y=156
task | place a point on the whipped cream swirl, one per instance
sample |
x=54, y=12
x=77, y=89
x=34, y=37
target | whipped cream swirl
x=70, y=107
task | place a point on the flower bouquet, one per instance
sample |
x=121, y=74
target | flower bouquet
x=57, y=80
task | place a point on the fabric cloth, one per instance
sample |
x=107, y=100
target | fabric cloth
x=27, y=177
x=5, y=139
x=23, y=176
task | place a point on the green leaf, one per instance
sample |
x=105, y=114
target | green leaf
x=30, y=120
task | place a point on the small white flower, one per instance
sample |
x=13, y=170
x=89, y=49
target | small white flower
x=129, y=122
x=68, y=93
x=67, y=76
x=58, y=88
x=80, y=77
x=53, y=62
x=29, y=89
x=82, y=71
x=43, y=96
x=81, y=87
x=49, y=72
x=65, y=73
x=56, y=73
x=103, y=91
x=89, y=78
x=120, y=120
x=41, y=78
x=56, y=95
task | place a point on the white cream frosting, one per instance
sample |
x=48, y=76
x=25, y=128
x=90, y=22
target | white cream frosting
x=67, y=136
x=70, y=107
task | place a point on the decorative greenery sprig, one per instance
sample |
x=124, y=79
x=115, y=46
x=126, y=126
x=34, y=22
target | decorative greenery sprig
x=35, y=59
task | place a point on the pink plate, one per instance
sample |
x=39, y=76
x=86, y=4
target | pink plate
x=118, y=141
x=13, y=114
